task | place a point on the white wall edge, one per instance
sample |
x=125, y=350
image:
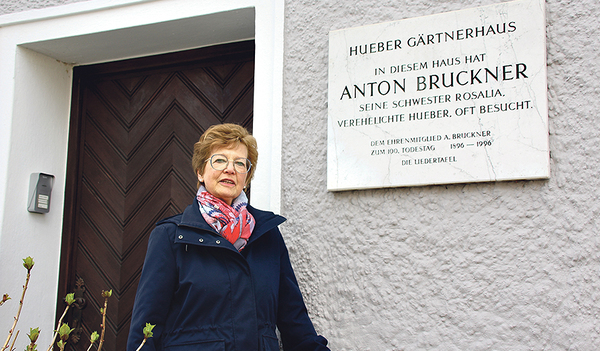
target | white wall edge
x=63, y=10
x=268, y=95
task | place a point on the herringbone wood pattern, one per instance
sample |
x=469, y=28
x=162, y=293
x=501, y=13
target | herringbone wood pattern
x=134, y=168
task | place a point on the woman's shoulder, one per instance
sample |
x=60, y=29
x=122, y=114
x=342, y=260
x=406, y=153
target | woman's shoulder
x=262, y=215
x=176, y=219
x=265, y=221
x=165, y=228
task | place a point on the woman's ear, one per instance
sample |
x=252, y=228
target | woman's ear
x=200, y=178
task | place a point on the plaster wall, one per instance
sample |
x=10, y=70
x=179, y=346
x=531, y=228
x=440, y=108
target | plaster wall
x=489, y=266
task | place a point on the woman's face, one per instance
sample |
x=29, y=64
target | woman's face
x=226, y=184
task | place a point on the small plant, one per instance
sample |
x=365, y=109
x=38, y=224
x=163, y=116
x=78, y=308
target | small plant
x=69, y=299
x=147, y=334
x=64, y=330
x=28, y=264
x=105, y=295
x=33, y=336
x=93, y=338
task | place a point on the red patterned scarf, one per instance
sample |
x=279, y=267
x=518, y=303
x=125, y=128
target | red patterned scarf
x=234, y=222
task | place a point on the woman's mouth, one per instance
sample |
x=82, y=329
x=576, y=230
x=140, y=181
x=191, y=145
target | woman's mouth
x=227, y=182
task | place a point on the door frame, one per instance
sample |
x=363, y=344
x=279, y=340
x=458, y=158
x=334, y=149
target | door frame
x=152, y=64
x=37, y=51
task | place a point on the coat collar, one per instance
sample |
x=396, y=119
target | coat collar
x=202, y=233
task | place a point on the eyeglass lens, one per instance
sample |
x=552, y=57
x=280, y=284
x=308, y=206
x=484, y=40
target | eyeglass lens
x=220, y=162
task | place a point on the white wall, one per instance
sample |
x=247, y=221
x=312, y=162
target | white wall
x=38, y=135
x=493, y=266
x=11, y=6
x=35, y=83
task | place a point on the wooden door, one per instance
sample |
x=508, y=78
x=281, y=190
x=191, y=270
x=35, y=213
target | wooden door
x=133, y=127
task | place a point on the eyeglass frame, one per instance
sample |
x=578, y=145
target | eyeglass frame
x=248, y=162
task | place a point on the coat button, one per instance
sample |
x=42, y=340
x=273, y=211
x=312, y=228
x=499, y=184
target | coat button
x=181, y=237
x=218, y=242
x=201, y=240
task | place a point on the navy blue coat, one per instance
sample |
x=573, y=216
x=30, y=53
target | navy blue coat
x=203, y=294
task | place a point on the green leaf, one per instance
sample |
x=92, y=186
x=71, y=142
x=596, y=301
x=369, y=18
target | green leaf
x=28, y=263
x=148, y=330
x=94, y=337
x=5, y=298
x=70, y=298
x=33, y=334
x=64, y=331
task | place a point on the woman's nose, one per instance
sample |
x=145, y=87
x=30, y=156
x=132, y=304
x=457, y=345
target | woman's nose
x=230, y=167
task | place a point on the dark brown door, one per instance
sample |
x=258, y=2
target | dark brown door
x=133, y=127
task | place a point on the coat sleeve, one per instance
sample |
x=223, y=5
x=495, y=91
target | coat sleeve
x=155, y=290
x=294, y=324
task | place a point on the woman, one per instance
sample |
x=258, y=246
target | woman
x=218, y=276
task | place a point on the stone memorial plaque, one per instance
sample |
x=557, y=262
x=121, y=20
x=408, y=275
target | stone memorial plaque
x=449, y=98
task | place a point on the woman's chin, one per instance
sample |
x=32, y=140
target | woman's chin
x=227, y=194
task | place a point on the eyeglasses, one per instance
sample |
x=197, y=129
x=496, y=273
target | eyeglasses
x=219, y=162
